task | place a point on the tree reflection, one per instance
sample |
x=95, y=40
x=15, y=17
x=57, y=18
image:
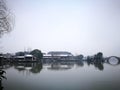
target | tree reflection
x=97, y=61
x=99, y=65
x=37, y=68
x=31, y=67
x=80, y=63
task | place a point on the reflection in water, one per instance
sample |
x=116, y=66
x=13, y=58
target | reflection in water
x=65, y=65
x=37, y=68
x=99, y=65
x=31, y=67
x=63, y=75
x=1, y=78
x=96, y=63
x=1, y=87
x=80, y=64
x=60, y=66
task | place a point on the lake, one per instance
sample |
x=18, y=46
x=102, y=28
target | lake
x=70, y=75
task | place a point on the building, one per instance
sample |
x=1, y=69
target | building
x=26, y=57
x=61, y=55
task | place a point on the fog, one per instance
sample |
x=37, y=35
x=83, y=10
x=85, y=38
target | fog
x=78, y=26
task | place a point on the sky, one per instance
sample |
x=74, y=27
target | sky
x=78, y=26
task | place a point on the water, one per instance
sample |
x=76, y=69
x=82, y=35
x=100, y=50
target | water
x=62, y=76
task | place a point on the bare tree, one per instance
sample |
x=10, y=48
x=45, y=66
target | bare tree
x=6, y=22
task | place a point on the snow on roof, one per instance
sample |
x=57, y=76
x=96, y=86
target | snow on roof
x=19, y=56
x=28, y=55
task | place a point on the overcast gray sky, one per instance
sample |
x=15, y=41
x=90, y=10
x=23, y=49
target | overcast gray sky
x=79, y=26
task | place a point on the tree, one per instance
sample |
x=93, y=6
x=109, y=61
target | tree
x=100, y=54
x=20, y=54
x=80, y=56
x=37, y=53
x=5, y=26
x=6, y=20
x=98, y=57
x=2, y=77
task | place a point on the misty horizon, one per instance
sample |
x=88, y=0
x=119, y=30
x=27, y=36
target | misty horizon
x=80, y=27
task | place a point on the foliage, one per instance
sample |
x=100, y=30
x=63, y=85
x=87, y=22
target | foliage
x=80, y=57
x=37, y=53
x=6, y=19
x=2, y=77
x=20, y=54
x=6, y=23
x=1, y=74
x=100, y=55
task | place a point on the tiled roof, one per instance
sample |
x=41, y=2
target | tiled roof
x=59, y=52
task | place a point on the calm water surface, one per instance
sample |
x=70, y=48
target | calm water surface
x=62, y=76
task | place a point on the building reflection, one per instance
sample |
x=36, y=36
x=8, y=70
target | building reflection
x=64, y=65
x=57, y=65
x=36, y=67
x=60, y=66
x=28, y=67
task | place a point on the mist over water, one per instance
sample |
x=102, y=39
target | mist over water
x=81, y=27
x=62, y=75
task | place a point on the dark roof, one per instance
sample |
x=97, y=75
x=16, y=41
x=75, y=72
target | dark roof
x=59, y=52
